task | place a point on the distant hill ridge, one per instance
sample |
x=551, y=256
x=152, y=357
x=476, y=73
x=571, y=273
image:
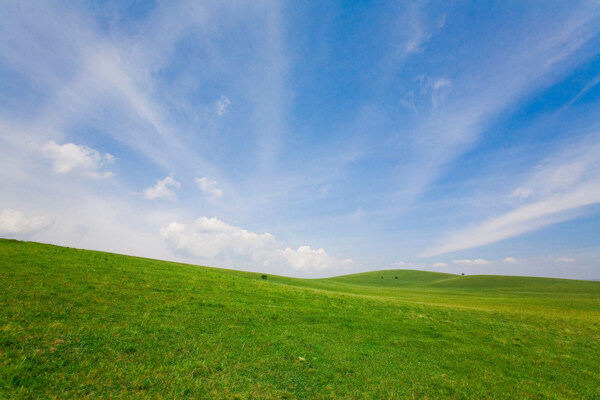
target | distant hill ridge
x=417, y=278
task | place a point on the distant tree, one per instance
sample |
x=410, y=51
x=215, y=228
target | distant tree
x=263, y=276
x=463, y=274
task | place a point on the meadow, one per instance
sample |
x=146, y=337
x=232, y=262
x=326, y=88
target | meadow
x=86, y=324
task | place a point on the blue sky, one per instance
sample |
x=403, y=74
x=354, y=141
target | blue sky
x=306, y=138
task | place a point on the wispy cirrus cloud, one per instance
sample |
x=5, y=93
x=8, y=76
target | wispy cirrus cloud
x=78, y=70
x=81, y=69
x=557, y=189
x=441, y=88
x=222, y=106
x=481, y=93
x=419, y=28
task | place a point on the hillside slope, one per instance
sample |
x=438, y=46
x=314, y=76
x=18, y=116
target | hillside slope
x=393, y=278
x=84, y=324
x=518, y=283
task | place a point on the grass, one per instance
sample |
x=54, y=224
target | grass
x=85, y=324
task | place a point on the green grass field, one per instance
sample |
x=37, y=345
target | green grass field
x=78, y=324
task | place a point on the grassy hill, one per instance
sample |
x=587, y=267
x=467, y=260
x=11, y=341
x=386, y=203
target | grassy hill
x=393, y=278
x=85, y=324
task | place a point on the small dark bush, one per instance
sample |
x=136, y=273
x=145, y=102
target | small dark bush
x=396, y=277
x=263, y=276
x=463, y=274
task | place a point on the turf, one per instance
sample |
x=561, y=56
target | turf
x=84, y=324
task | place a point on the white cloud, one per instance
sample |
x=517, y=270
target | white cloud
x=77, y=159
x=161, y=189
x=222, y=106
x=565, y=260
x=419, y=265
x=107, y=81
x=514, y=71
x=419, y=31
x=15, y=223
x=440, y=90
x=522, y=193
x=560, y=186
x=209, y=187
x=477, y=261
x=415, y=42
x=210, y=238
x=523, y=219
x=509, y=260
x=307, y=259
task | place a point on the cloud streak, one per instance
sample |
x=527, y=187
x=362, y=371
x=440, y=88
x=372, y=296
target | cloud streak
x=477, y=261
x=567, y=260
x=556, y=191
x=481, y=93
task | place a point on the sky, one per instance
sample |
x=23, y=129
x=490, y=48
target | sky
x=306, y=139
